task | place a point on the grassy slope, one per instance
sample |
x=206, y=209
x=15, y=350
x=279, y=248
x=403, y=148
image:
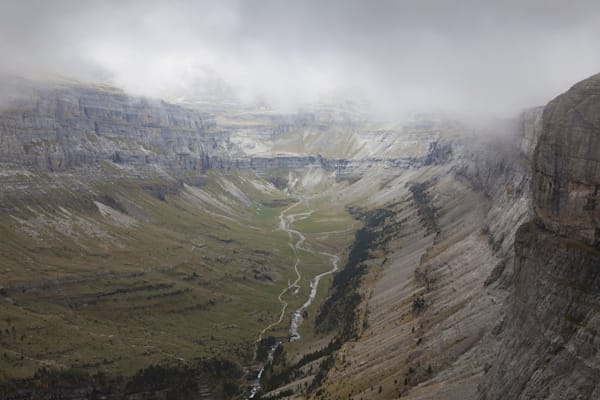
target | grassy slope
x=188, y=278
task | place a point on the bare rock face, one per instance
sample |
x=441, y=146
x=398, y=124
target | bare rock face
x=532, y=130
x=550, y=340
x=57, y=127
x=566, y=177
x=550, y=348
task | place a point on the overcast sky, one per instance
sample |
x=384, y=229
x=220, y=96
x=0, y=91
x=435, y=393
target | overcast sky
x=471, y=56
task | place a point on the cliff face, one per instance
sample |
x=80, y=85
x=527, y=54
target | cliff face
x=59, y=126
x=501, y=169
x=567, y=164
x=550, y=346
x=63, y=126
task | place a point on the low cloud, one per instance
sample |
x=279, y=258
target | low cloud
x=477, y=57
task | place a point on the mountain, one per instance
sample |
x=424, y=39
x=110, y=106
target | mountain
x=153, y=250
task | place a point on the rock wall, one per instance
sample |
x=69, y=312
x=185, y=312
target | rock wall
x=499, y=166
x=567, y=164
x=550, y=343
x=57, y=126
x=62, y=126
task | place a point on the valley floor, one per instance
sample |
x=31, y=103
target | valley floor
x=112, y=275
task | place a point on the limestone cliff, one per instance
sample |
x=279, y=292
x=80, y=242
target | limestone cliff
x=550, y=346
x=567, y=164
x=59, y=126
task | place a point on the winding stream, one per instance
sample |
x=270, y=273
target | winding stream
x=285, y=223
x=314, y=284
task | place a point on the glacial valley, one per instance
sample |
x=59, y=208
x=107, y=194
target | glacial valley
x=153, y=250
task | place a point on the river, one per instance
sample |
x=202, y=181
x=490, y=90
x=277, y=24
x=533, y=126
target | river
x=285, y=224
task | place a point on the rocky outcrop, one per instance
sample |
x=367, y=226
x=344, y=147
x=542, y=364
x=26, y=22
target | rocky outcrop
x=532, y=130
x=550, y=343
x=567, y=164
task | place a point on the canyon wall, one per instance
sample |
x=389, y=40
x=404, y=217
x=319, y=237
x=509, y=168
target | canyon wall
x=60, y=126
x=550, y=340
x=57, y=127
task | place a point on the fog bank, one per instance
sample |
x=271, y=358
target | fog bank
x=475, y=57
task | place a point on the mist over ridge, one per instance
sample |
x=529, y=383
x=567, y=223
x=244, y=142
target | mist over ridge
x=467, y=57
